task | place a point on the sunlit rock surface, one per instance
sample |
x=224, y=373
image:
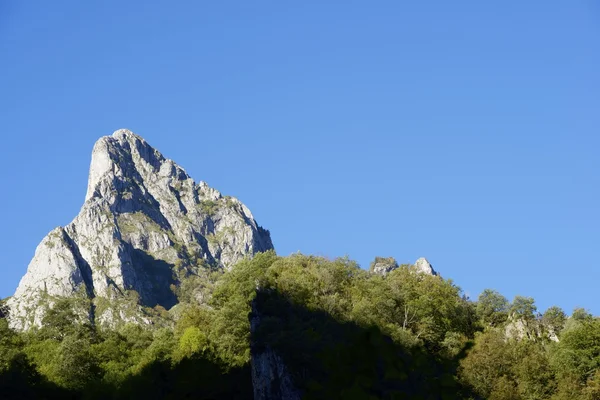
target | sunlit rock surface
x=385, y=265
x=423, y=266
x=145, y=225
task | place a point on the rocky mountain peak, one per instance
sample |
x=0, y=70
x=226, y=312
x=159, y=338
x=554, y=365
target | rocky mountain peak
x=126, y=157
x=145, y=225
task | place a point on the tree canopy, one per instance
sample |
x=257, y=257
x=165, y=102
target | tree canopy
x=340, y=331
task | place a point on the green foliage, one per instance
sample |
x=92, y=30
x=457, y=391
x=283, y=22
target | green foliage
x=10, y=345
x=578, y=352
x=209, y=207
x=341, y=331
x=497, y=368
x=554, y=319
x=492, y=307
x=487, y=363
x=429, y=306
x=523, y=308
x=60, y=320
x=387, y=261
x=580, y=314
x=332, y=359
x=192, y=342
x=74, y=366
x=21, y=380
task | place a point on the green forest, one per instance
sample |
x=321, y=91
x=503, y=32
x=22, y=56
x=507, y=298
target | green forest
x=341, y=331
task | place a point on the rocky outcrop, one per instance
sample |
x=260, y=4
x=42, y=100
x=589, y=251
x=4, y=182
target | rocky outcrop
x=424, y=267
x=385, y=265
x=144, y=226
x=522, y=329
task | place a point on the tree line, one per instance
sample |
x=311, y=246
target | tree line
x=341, y=331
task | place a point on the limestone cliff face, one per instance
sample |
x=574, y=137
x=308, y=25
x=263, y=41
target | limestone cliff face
x=144, y=225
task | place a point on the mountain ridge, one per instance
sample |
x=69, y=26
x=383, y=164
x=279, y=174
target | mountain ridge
x=145, y=225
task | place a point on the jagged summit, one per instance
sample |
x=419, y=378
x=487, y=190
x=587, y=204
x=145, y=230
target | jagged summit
x=125, y=154
x=145, y=225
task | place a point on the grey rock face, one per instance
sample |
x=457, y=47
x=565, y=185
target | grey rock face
x=423, y=266
x=144, y=225
x=522, y=329
x=383, y=266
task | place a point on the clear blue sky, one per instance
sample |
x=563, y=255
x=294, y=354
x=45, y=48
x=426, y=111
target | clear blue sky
x=463, y=131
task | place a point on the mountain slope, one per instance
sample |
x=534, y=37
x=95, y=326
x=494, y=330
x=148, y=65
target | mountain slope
x=145, y=225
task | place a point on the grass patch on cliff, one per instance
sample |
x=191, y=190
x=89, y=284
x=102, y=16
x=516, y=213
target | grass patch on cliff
x=208, y=207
